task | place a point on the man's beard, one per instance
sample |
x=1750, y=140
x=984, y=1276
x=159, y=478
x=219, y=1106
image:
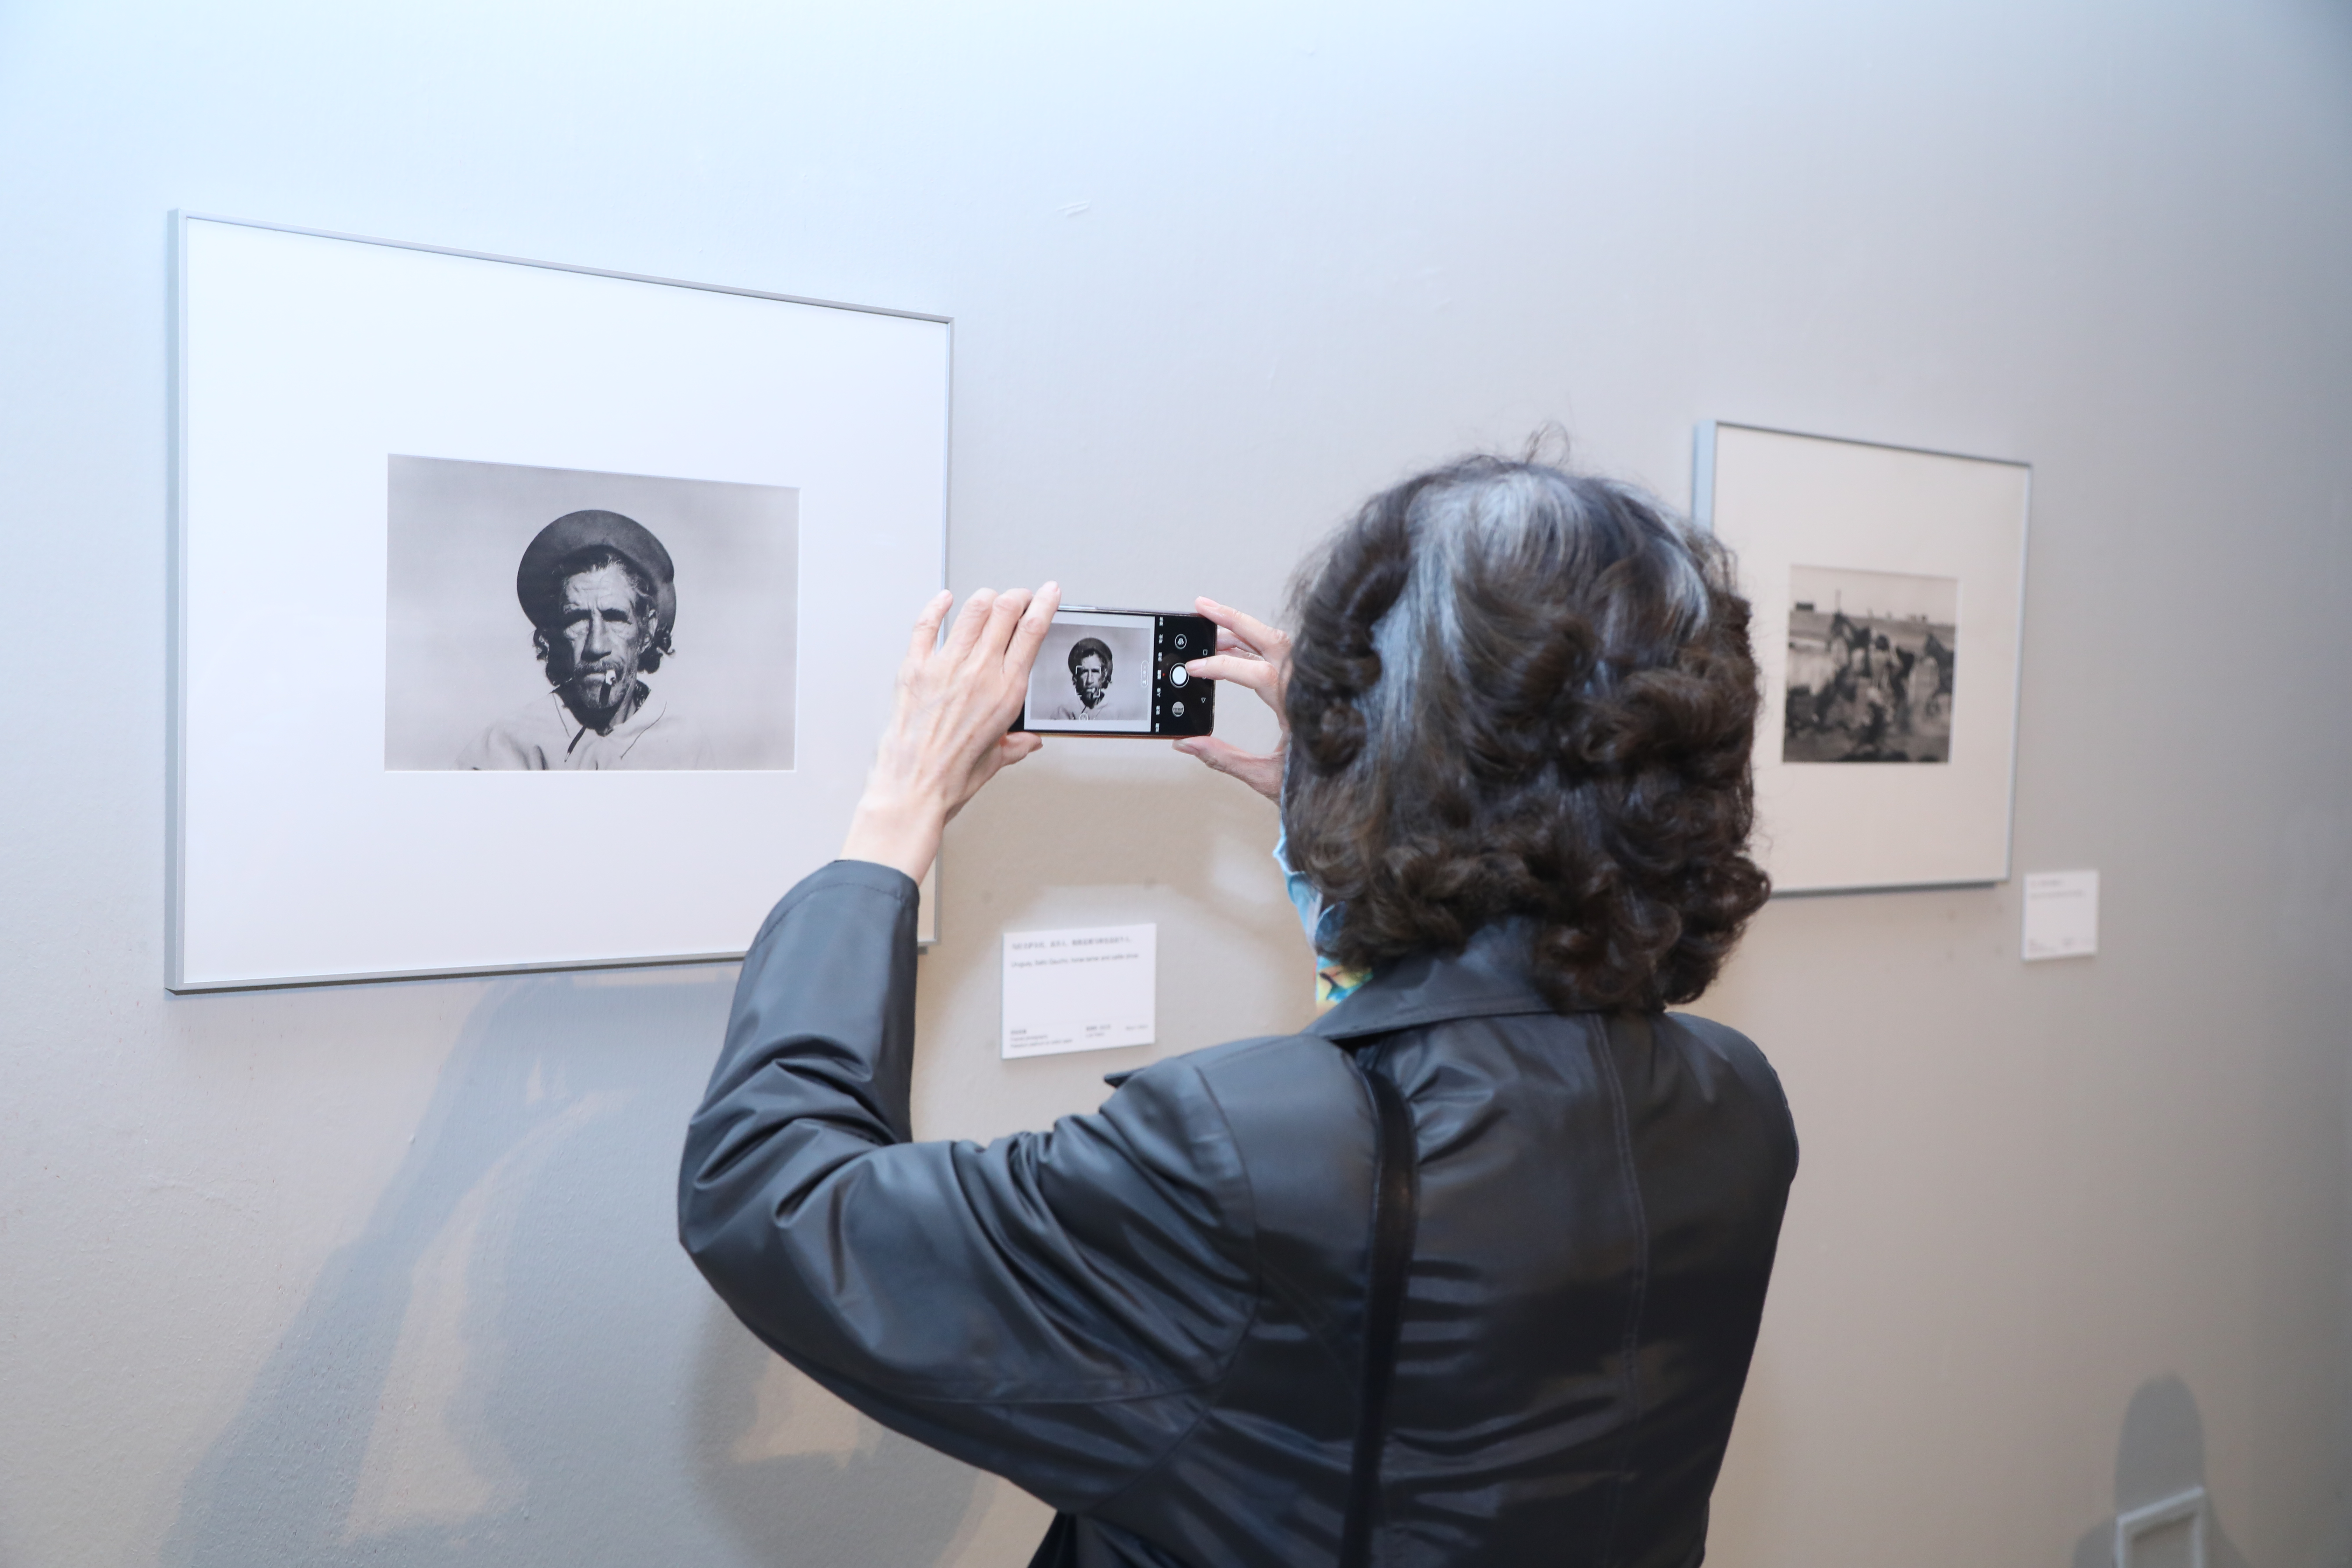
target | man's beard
x=601, y=687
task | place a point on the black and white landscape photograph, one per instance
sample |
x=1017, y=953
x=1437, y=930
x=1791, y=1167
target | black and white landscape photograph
x=1871, y=663
x=563, y=620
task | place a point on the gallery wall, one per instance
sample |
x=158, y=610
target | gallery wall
x=386, y=1273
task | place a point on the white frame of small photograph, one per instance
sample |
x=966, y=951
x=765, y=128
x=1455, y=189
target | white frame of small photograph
x=304, y=361
x=1784, y=502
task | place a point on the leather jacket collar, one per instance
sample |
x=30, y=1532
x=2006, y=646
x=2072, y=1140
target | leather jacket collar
x=1487, y=979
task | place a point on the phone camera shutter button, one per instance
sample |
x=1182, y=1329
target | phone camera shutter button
x=1177, y=674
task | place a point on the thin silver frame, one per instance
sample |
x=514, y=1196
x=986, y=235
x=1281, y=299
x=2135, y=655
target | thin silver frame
x=175, y=635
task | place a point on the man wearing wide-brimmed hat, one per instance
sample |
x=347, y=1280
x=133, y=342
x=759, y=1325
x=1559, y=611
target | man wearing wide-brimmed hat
x=601, y=595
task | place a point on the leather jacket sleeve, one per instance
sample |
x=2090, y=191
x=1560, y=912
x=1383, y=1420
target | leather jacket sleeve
x=1054, y=1307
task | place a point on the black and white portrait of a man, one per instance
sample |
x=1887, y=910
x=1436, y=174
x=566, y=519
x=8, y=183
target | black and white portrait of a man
x=601, y=595
x=1091, y=667
x=561, y=620
x=1094, y=670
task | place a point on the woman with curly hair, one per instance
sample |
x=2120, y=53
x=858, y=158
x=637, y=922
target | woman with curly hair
x=1468, y=1272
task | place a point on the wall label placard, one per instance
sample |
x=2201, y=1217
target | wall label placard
x=1089, y=990
x=2061, y=914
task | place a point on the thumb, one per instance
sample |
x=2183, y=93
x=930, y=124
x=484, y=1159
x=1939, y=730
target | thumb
x=1217, y=754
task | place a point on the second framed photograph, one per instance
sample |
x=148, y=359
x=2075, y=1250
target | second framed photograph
x=528, y=616
x=1888, y=588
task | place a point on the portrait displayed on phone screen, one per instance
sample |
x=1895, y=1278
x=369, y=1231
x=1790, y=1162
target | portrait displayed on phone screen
x=1120, y=672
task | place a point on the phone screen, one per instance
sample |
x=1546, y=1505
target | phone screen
x=1120, y=672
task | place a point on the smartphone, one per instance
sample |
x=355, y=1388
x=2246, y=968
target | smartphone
x=1120, y=672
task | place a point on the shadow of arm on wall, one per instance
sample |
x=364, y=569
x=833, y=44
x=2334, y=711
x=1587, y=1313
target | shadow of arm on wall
x=799, y=1477
x=513, y=1361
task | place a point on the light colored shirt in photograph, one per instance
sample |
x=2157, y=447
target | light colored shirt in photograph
x=545, y=737
x=1119, y=705
x=1064, y=711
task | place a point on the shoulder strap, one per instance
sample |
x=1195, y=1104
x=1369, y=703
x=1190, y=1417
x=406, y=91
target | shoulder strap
x=1396, y=1193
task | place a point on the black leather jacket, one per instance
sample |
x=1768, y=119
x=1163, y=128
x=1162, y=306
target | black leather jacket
x=1147, y=1316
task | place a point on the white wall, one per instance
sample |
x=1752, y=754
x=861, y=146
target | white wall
x=386, y=1273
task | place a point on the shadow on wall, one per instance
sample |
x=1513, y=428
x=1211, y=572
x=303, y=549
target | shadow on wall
x=514, y=1362
x=2162, y=1455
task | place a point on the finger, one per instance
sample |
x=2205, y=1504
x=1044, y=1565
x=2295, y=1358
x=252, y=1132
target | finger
x=1012, y=748
x=1003, y=616
x=1253, y=632
x=926, y=636
x=1030, y=635
x=1262, y=772
x=968, y=622
x=935, y=612
x=1228, y=643
x=1254, y=673
x=1217, y=752
x=1257, y=770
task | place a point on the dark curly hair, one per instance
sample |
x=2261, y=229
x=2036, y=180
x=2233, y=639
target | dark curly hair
x=1517, y=692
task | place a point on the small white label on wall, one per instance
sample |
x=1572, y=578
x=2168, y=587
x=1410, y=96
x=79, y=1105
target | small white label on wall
x=2061, y=914
x=1080, y=990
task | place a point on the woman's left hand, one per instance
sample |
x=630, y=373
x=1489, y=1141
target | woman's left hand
x=946, y=731
x=1249, y=653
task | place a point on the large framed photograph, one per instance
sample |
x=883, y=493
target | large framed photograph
x=1888, y=590
x=528, y=616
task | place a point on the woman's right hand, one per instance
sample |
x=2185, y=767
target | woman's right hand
x=948, y=733
x=1249, y=653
